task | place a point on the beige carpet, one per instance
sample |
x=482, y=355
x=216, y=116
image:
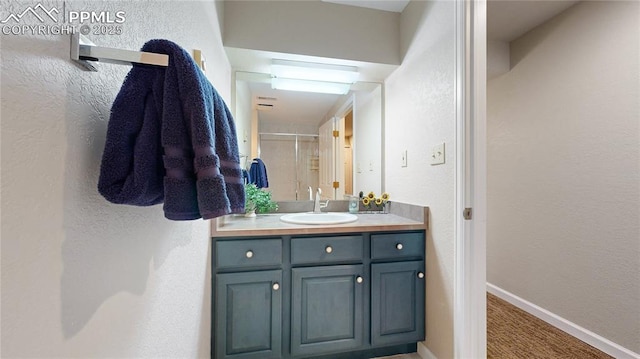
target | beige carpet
x=513, y=334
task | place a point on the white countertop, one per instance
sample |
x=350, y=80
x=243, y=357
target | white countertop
x=271, y=225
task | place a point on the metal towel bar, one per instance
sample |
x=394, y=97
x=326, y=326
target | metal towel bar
x=83, y=51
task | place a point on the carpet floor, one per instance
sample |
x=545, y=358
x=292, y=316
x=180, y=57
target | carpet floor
x=513, y=333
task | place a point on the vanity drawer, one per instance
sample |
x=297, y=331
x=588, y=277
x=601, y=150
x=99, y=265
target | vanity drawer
x=397, y=245
x=248, y=253
x=326, y=249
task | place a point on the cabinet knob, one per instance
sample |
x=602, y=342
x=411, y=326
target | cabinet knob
x=420, y=275
x=328, y=249
x=399, y=246
x=359, y=279
x=276, y=286
x=249, y=254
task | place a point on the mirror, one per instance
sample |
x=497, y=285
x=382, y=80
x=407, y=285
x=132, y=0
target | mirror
x=293, y=134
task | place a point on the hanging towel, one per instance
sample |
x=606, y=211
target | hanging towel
x=171, y=138
x=258, y=173
x=246, y=177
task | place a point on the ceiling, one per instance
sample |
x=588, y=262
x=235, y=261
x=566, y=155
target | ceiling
x=304, y=107
x=507, y=20
x=386, y=5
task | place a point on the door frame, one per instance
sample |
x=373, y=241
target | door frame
x=469, y=313
x=337, y=121
x=341, y=113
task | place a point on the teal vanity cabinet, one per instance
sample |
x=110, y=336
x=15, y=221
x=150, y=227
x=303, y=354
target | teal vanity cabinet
x=327, y=310
x=248, y=299
x=328, y=294
x=397, y=288
x=343, y=295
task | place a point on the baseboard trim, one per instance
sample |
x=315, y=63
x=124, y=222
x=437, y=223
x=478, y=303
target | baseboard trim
x=424, y=352
x=587, y=336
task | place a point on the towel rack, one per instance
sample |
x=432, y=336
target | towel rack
x=83, y=51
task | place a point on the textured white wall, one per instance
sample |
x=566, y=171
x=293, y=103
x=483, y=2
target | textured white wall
x=368, y=141
x=242, y=115
x=420, y=112
x=564, y=169
x=82, y=277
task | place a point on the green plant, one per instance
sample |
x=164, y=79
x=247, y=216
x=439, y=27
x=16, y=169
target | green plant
x=258, y=200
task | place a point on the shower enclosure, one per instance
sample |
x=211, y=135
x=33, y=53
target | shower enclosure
x=292, y=164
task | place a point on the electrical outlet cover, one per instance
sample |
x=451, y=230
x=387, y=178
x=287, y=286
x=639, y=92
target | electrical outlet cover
x=437, y=154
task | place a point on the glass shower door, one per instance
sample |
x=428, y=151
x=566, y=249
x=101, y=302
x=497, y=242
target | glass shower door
x=292, y=164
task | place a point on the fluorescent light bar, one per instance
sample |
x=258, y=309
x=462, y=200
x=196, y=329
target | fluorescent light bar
x=310, y=86
x=314, y=71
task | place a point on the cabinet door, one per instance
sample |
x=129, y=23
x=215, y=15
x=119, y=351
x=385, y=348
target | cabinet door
x=397, y=302
x=248, y=315
x=327, y=309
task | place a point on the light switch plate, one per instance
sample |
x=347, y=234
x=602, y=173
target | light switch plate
x=404, y=159
x=437, y=154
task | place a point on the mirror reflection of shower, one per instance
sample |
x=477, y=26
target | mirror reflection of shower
x=349, y=162
x=292, y=161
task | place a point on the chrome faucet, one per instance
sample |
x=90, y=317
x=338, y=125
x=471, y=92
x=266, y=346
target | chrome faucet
x=317, y=206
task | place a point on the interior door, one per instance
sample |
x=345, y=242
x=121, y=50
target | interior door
x=331, y=149
x=339, y=158
x=326, y=152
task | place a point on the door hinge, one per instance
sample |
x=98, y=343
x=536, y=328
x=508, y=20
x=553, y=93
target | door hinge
x=336, y=184
x=336, y=133
x=467, y=214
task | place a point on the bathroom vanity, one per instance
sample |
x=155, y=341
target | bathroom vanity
x=353, y=290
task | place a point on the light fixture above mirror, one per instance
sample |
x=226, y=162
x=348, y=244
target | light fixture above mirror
x=312, y=77
x=335, y=88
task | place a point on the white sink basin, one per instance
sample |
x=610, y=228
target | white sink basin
x=319, y=218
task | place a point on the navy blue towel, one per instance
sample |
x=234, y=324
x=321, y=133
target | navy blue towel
x=172, y=138
x=258, y=173
x=246, y=177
